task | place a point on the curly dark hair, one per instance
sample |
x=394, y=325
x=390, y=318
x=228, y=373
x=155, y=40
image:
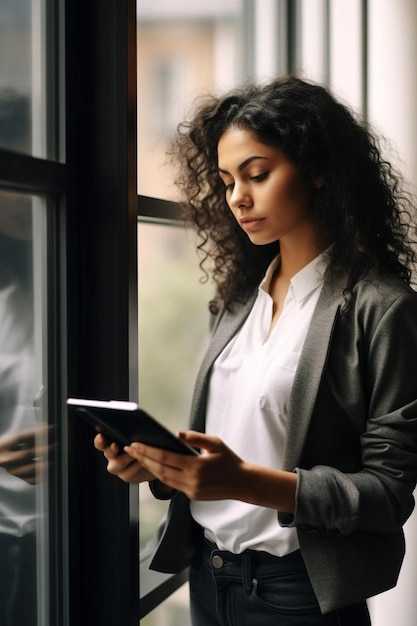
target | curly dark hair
x=361, y=208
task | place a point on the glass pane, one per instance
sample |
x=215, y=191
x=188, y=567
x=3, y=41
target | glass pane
x=184, y=49
x=22, y=76
x=173, y=334
x=24, y=432
x=173, y=612
x=15, y=75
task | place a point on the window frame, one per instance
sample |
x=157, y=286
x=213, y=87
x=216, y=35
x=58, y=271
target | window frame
x=101, y=512
x=88, y=508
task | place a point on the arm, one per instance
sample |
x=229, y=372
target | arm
x=378, y=496
x=217, y=474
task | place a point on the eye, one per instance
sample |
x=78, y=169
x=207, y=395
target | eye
x=229, y=187
x=260, y=177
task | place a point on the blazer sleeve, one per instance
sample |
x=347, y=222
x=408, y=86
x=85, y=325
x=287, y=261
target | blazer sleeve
x=378, y=497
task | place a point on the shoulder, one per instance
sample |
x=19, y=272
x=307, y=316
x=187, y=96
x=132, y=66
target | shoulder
x=382, y=290
x=382, y=298
x=383, y=285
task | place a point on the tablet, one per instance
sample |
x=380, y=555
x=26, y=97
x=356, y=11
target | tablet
x=124, y=423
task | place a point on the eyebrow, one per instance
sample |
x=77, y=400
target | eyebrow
x=244, y=164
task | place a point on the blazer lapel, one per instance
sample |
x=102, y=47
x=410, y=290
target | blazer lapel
x=308, y=375
x=229, y=325
x=309, y=372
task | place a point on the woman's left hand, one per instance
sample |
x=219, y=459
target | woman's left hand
x=217, y=474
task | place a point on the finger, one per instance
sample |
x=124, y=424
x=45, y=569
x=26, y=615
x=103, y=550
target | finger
x=135, y=473
x=29, y=476
x=112, y=451
x=25, y=472
x=32, y=473
x=128, y=469
x=24, y=456
x=201, y=440
x=17, y=459
x=25, y=438
x=145, y=454
x=118, y=463
x=161, y=464
x=101, y=443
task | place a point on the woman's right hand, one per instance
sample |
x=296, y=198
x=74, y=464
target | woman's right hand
x=121, y=464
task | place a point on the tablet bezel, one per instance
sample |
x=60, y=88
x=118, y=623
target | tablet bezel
x=125, y=422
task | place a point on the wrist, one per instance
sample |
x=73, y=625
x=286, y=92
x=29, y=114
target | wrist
x=263, y=486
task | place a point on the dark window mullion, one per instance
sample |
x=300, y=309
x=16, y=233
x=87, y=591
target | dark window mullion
x=155, y=209
x=26, y=173
x=102, y=300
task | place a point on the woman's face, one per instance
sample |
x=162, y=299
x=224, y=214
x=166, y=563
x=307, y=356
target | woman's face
x=264, y=189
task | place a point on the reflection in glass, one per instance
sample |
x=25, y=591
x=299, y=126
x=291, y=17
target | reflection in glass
x=23, y=432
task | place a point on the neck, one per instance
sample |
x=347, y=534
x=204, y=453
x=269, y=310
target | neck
x=293, y=259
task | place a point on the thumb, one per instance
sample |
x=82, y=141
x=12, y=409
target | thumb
x=201, y=440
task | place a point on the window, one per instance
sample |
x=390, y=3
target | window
x=169, y=79
x=30, y=366
x=184, y=49
x=67, y=278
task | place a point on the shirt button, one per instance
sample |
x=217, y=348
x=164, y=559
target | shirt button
x=217, y=561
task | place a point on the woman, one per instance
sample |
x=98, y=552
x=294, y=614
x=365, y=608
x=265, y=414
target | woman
x=293, y=513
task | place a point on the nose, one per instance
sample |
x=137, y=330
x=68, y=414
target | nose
x=240, y=197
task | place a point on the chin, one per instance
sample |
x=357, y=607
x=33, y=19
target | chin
x=262, y=241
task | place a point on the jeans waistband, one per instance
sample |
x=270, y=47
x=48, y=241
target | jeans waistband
x=224, y=562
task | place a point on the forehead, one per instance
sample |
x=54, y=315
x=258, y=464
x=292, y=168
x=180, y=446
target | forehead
x=238, y=144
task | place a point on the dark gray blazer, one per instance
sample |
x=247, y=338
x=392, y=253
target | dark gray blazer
x=352, y=438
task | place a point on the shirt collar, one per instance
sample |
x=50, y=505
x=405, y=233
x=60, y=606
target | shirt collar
x=305, y=281
x=266, y=281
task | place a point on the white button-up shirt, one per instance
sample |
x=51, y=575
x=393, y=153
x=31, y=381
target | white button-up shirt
x=247, y=407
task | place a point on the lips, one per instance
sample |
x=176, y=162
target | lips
x=249, y=223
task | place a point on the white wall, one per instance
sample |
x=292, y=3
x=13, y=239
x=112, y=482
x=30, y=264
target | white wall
x=392, y=107
x=392, y=52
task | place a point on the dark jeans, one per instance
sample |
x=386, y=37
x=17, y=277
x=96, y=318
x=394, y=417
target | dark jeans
x=258, y=589
x=18, y=580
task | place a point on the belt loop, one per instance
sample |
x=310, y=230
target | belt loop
x=247, y=571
